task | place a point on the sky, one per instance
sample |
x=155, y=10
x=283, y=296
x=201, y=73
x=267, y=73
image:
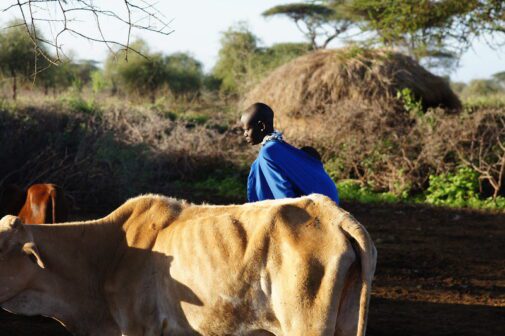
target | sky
x=197, y=26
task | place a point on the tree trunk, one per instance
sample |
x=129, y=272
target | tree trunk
x=14, y=85
x=153, y=97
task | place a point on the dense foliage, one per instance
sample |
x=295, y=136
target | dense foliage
x=242, y=62
x=19, y=59
x=145, y=73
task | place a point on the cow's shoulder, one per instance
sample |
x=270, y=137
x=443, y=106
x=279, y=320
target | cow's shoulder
x=143, y=217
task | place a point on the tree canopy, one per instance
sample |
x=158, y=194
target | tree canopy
x=242, y=61
x=320, y=21
x=238, y=46
x=430, y=29
x=18, y=57
x=146, y=73
x=435, y=32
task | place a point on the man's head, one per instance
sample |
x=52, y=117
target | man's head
x=257, y=122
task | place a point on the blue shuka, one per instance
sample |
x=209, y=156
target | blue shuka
x=282, y=171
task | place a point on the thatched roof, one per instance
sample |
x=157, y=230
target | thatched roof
x=326, y=79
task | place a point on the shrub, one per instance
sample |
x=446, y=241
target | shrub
x=184, y=74
x=98, y=82
x=456, y=189
x=351, y=190
x=228, y=187
x=101, y=161
x=480, y=87
x=410, y=103
x=78, y=104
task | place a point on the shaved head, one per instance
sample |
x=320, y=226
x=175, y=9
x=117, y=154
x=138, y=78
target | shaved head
x=257, y=122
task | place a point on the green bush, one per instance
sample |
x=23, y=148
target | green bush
x=457, y=189
x=352, y=190
x=460, y=189
x=227, y=187
x=193, y=117
x=410, y=103
x=78, y=104
x=98, y=82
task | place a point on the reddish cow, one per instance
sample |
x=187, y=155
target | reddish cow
x=45, y=204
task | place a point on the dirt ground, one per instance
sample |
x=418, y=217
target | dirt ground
x=439, y=272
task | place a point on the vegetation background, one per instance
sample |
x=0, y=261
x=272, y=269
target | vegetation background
x=155, y=122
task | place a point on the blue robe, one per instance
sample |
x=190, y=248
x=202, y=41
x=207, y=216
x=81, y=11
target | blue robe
x=282, y=171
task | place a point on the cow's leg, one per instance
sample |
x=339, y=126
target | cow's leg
x=349, y=302
x=306, y=294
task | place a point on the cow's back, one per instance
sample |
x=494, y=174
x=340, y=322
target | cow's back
x=287, y=267
x=239, y=268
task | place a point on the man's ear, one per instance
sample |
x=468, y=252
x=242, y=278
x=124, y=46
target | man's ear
x=31, y=250
x=262, y=126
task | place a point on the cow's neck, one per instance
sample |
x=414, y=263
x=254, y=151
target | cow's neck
x=86, y=247
x=77, y=258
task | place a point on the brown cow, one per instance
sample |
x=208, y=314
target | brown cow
x=45, y=203
x=159, y=266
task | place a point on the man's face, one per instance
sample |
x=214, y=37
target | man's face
x=253, y=131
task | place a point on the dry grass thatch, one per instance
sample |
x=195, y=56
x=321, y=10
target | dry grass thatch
x=323, y=81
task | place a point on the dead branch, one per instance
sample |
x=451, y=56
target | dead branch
x=60, y=14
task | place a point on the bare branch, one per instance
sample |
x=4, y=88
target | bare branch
x=140, y=15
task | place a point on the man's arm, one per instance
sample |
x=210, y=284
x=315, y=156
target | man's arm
x=252, y=196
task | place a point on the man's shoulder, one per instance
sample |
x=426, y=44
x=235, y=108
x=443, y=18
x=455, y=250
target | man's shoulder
x=272, y=147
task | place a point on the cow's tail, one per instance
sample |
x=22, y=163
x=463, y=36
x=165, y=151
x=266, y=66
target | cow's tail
x=365, y=249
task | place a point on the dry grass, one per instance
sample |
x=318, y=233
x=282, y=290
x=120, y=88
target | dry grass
x=103, y=153
x=321, y=82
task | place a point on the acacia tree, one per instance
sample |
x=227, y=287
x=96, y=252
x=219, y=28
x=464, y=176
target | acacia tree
x=17, y=55
x=235, y=58
x=320, y=21
x=436, y=31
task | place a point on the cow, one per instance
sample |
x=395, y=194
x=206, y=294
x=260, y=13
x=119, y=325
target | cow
x=45, y=203
x=160, y=266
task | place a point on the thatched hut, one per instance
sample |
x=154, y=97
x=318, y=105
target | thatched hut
x=324, y=81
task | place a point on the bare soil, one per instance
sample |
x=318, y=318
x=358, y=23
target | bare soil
x=439, y=272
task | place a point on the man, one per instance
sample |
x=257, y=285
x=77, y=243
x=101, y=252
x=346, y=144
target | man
x=280, y=170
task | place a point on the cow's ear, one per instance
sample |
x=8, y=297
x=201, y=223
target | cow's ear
x=31, y=250
x=10, y=222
